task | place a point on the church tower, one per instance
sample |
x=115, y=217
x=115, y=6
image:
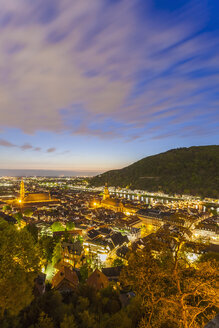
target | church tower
x=106, y=194
x=22, y=190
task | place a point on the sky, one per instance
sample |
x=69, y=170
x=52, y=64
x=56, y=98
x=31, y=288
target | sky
x=89, y=86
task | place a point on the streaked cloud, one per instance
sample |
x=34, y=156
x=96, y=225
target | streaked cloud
x=6, y=143
x=37, y=148
x=105, y=62
x=25, y=146
x=51, y=150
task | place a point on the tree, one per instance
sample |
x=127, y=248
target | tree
x=174, y=292
x=119, y=320
x=110, y=300
x=134, y=310
x=33, y=230
x=68, y=322
x=209, y=256
x=7, y=208
x=83, y=304
x=57, y=254
x=47, y=245
x=28, y=212
x=18, y=216
x=117, y=262
x=44, y=321
x=80, y=239
x=53, y=305
x=70, y=226
x=84, y=272
x=57, y=226
x=19, y=265
x=87, y=320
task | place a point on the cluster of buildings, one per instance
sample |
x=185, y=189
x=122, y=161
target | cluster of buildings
x=105, y=227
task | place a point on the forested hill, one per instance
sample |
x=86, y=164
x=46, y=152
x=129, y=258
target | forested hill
x=193, y=170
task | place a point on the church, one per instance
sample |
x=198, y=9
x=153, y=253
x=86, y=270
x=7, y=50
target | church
x=115, y=204
x=32, y=198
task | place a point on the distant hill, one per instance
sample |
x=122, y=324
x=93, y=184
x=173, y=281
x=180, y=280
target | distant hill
x=44, y=173
x=193, y=170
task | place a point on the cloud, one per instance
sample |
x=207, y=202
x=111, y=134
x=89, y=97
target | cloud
x=51, y=150
x=105, y=61
x=6, y=143
x=37, y=149
x=26, y=146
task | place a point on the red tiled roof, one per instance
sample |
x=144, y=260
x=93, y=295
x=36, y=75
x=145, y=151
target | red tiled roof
x=65, y=273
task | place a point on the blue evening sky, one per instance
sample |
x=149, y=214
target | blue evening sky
x=96, y=85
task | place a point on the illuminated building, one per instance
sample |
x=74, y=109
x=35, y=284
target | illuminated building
x=109, y=203
x=106, y=194
x=72, y=253
x=22, y=191
x=32, y=198
x=114, y=204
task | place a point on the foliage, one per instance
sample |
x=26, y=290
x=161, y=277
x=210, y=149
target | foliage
x=33, y=230
x=209, y=256
x=174, y=293
x=7, y=208
x=169, y=291
x=46, y=246
x=117, y=262
x=83, y=309
x=57, y=253
x=19, y=264
x=68, y=322
x=57, y=226
x=191, y=170
x=70, y=226
x=119, y=320
x=84, y=272
x=44, y=321
x=87, y=320
x=18, y=216
x=28, y=212
x=80, y=239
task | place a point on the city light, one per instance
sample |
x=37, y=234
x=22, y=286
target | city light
x=103, y=257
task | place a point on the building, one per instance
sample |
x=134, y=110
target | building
x=106, y=194
x=65, y=280
x=114, y=204
x=97, y=280
x=32, y=199
x=123, y=252
x=112, y=273
x=73, y=253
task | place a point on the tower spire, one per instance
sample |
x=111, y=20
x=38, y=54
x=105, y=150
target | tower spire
x=106, y=194
x=22, y=190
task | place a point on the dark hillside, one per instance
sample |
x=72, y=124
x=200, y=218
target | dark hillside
x=193, y=170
